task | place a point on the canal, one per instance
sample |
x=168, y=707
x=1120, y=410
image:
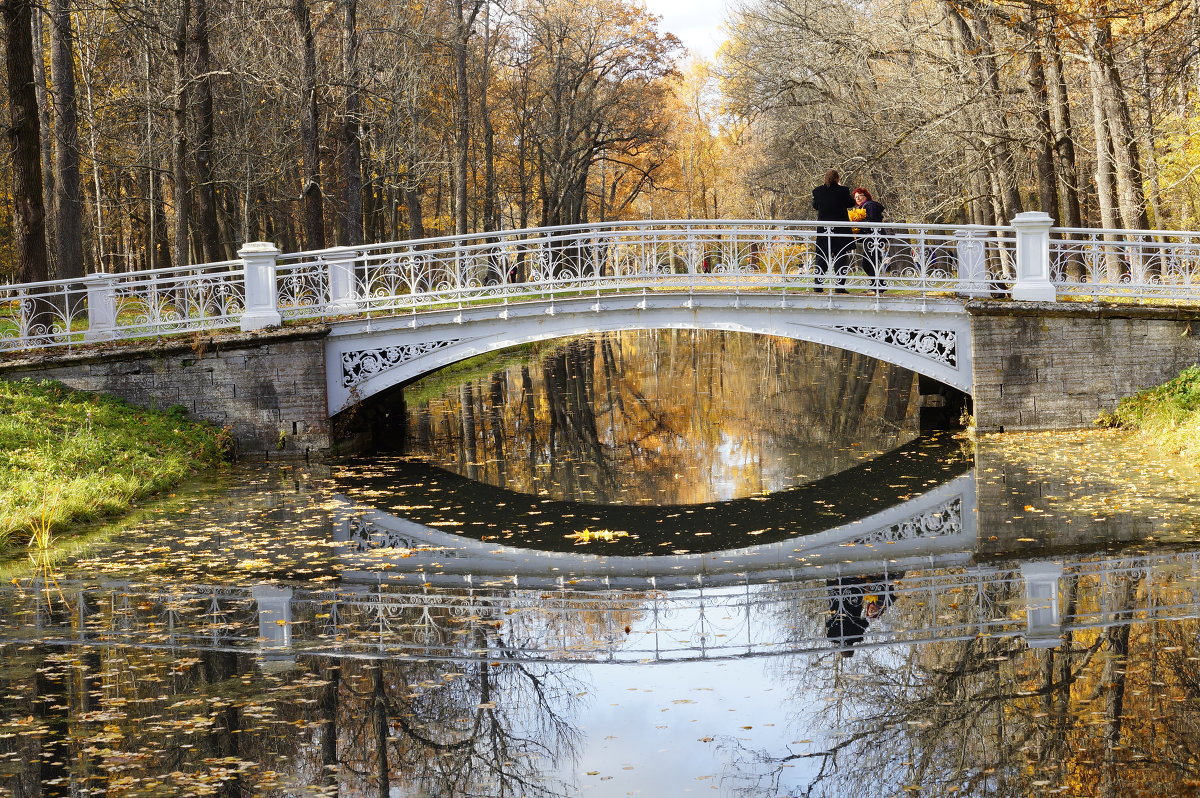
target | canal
x=648, y=563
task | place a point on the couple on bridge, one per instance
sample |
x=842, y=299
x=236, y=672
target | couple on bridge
x=834, y=202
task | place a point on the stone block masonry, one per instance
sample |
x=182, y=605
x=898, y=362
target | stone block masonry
x=1042, y=366
x=267, y=386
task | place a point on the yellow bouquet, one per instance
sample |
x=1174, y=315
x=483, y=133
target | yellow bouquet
x=857, y=215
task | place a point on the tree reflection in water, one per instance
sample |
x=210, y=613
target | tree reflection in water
x=662, y=417
x=1111, y=711
x=150, y=664
x=130, y=722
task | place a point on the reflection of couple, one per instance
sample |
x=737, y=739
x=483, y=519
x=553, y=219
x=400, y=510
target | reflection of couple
x=834, y=202
x=855, y=601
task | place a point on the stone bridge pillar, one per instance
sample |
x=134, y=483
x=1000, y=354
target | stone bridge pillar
x=262, y=292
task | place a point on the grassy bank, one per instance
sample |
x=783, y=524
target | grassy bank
x=67, y=456
x=1168, y=415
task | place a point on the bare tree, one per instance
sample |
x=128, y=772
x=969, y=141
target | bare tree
x=311, y=193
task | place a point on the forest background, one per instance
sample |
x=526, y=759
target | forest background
x=146, y=135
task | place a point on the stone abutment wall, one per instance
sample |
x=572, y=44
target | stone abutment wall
x=268, y=387
x=1044, y=366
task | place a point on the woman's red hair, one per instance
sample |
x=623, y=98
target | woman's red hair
x=863, y=191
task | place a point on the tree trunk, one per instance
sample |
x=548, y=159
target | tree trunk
x=158, y=239
x=1149, y=135
x=24, y=136
x=179, y=153
x=1114, y=267
x=978, y=206
x=1105, y=190
x=68, y=203
x=352, y=210
x=1044, y=140
x=1064, y=135
x=490, y=220
x=1126, y=162
x=975, y=48
x=41, y=85
x=206, y=193
x=412, y=202
x=313, y=201
x=463, y=22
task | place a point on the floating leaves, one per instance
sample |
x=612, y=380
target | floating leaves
x=585, y=536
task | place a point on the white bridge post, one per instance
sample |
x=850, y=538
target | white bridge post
x=262, y=292
x=101, y=307
x=1033, y=258
x=343, y=293
x=274, y=626
x=1043, y=624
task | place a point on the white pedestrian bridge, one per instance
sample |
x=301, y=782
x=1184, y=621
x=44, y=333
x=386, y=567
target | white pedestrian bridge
x=400, y=309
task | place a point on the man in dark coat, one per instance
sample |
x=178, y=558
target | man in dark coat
x=835, y=245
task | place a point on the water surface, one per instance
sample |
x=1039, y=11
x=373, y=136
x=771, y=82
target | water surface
x=839, y=606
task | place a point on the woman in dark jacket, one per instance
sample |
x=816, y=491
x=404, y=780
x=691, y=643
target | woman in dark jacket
x=873, y=243
x=835, y=245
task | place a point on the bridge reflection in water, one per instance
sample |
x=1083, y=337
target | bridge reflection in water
x=443, y=597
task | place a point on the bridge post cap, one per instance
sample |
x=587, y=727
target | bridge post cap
x=1032, y=219
x=1041, y=570
x=337, y=250
x=96, y=277
x=258, y=248
x=260, y=592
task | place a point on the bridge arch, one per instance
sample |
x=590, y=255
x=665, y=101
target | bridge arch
x=928, y=337
x=918, y=494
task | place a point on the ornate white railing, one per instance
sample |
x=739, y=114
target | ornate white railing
x=397, y=621
x=1026, y=261
x=101, y=307
x=1137, y=264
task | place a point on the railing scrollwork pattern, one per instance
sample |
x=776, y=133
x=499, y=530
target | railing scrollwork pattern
x=937, y=345
x=362, y=364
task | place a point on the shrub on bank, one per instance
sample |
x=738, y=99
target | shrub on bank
x=69, y=456
x=1169, y=413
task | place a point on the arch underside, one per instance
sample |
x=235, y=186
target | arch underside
x=362, y=363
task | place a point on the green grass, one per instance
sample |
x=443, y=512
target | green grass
x=68, y=456
x=1168, y=414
